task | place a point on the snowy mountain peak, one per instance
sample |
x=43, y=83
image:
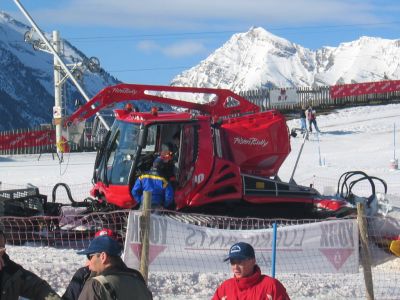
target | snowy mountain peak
x=258, y=58
x=6, y=19
x=259, y=33
x=252, y=59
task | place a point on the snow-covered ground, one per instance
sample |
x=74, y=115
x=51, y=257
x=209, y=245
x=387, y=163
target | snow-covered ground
x=360, y=138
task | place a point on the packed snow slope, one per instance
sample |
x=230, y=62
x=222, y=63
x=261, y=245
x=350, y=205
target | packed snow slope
x=358, y=138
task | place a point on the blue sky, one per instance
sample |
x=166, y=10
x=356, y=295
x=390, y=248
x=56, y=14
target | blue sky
x=152, y=41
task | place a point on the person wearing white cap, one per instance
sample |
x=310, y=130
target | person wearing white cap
x=247, y=281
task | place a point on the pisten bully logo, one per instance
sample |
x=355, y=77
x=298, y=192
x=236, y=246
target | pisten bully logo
x=124, y=90
x=250, y=141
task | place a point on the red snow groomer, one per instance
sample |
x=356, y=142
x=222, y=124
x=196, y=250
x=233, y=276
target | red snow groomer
x=222, y=158
x=226, y=159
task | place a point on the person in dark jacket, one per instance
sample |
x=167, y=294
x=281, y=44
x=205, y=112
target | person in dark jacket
x=78, y=280
x=15, y=281
x=162, y=193
x=312, y=118
x=113, y=280
x=76, y=284
x=248, y=282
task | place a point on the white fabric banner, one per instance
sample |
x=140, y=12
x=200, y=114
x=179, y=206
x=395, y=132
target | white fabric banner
x=283, y=96
x=323, y=247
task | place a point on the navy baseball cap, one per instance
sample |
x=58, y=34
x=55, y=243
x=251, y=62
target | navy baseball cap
x=105, y=244
x=241, y=251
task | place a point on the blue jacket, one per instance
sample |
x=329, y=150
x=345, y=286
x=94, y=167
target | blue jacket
x=162, y=193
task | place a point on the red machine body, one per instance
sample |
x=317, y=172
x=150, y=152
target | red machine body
x=258, y=144
x=229, y=152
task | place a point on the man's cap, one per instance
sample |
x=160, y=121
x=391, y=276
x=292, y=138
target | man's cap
x=106, y=232
x=103, y=244
x=240, y=251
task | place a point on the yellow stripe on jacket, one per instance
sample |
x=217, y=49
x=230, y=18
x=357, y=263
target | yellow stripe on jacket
x=165, y=182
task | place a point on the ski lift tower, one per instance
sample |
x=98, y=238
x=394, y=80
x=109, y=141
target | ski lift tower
x=59, y=66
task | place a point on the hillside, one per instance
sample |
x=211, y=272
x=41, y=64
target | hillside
x=26, y=78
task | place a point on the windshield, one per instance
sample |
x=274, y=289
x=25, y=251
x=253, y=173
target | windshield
x=129, y=135
x=122, y=147
x=121, y=151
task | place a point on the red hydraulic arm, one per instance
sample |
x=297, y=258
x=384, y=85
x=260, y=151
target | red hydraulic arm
x=226, y=102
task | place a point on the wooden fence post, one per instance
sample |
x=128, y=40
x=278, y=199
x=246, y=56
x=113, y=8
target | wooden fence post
x=145, y=234
x=365, y=255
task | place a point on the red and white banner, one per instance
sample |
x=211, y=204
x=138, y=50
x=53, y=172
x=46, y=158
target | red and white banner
x=323, y=247
x=356, y=89
x=27, y=139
